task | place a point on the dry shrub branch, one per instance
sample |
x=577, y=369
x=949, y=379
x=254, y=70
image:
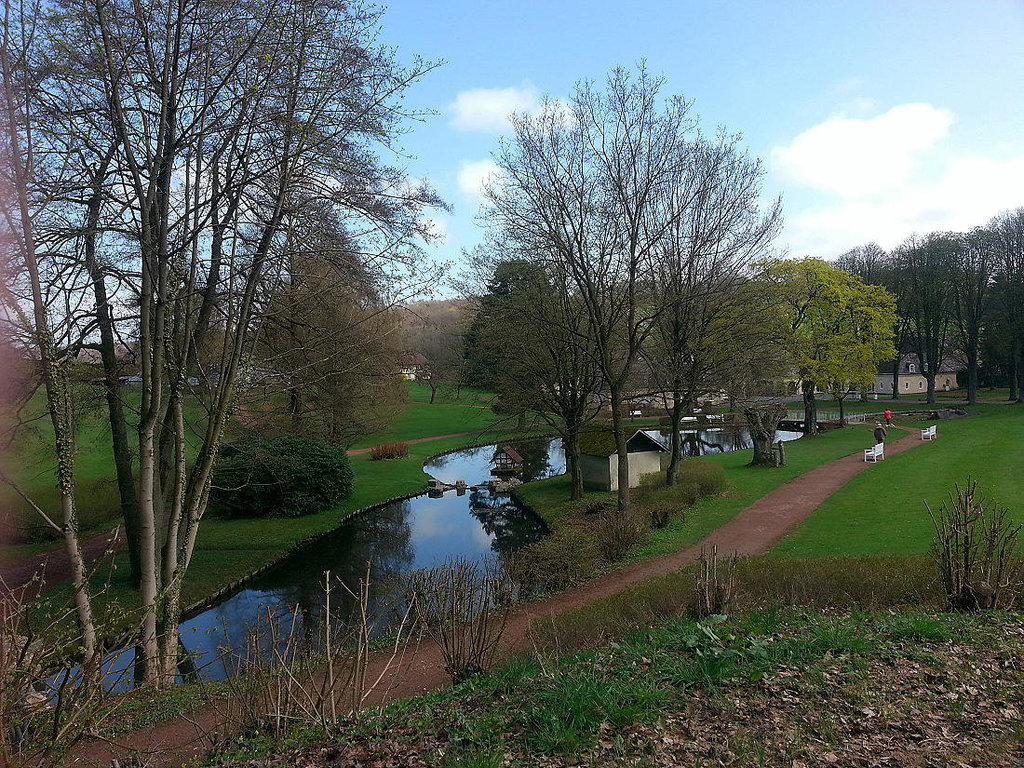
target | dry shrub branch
x=715, y=583
x=49, y=700
x=464, y=607
x=973, y=548
x=288, y=677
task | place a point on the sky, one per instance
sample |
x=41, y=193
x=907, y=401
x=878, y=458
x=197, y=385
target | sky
x=875, y=120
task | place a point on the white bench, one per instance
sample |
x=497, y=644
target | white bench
x=876, y=453
x=928, y=433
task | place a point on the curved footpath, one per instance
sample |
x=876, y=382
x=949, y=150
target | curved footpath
x=753, y=531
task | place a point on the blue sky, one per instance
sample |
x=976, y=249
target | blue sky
x=874, y=119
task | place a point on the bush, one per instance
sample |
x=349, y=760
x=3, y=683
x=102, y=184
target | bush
x=701, y=478
x=389, y=451
x=696, y=479
x=600, y=506
x=973, y=548
x=617, y=533
x=565, y=558
x=284, y=476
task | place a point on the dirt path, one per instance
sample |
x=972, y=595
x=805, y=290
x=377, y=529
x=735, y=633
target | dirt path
x=358, y=451
x=753, y=531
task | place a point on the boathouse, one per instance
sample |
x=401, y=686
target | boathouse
x=600, y=461
x=507, y=459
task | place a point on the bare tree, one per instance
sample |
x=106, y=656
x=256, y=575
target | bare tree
x=1008, y=233
x=972, y=296
x=702, y=261
x=227, y=123
x=927, y=265
x=586, y=187
x=26, y=302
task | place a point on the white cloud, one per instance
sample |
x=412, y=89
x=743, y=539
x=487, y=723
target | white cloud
x=887, y=177
x=488, y=109
x=438, y=226
x=856, y=157
x=474, y=174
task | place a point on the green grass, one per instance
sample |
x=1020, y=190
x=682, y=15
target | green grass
x=31, y=464
x=419, y=392
x=550, y=498
x=881, y=511
x=423, y=420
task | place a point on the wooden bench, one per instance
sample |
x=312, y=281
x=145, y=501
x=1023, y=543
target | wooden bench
x=876, y=453
x=928, y=433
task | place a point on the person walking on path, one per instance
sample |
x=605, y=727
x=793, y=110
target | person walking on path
x=888, y=417
x=879, y=432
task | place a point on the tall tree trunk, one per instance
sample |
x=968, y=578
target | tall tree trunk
x=618, y=428
x=930, y=378
x=676, y=419
x=55, y=380
x=123, y=468
x=763, y=423
x=574, y=462
x=842, y=413
x=972, y=375
x=810, y=409
x=1016, y=388
x=896, y=380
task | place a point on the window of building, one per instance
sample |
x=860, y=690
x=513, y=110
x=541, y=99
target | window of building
x=906, y=385
x=911, y=368
x=920, y=385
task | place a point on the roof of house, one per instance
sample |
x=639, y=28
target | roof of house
x=951, y=363
x=512, y=453
x=601, y=442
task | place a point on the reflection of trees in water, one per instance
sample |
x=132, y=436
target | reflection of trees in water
x=509, y=526
x=536, y=462
x=708, y=441
x=381, y=537
x=541, y=458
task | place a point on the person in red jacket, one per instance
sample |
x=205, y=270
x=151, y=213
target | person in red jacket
x=888, y=417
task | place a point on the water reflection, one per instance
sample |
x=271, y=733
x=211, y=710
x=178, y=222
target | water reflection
x=715, y=440
x=395, y=539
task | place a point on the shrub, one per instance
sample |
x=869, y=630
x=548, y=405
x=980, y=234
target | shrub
x=660, y=503
x=464, y=606
x=284, y=476
x=715, y=583
x=702, y=478
x=599, y=506
x=566, y=557
x=389, y=451
x=973, y=548
x=617, y=533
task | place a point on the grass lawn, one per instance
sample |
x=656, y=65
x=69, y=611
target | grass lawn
x=30, y=463
x=550, y=498
x=881, y=511
x=419, y=392
x=425, y=420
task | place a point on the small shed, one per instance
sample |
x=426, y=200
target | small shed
x=600, y=460
x=507, y=459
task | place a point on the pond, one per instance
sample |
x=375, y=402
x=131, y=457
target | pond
x=395, y=539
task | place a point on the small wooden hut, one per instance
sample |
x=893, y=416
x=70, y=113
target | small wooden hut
x=506, y=460
x=600, y=460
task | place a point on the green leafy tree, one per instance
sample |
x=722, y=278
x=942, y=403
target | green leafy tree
x=840, y=328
